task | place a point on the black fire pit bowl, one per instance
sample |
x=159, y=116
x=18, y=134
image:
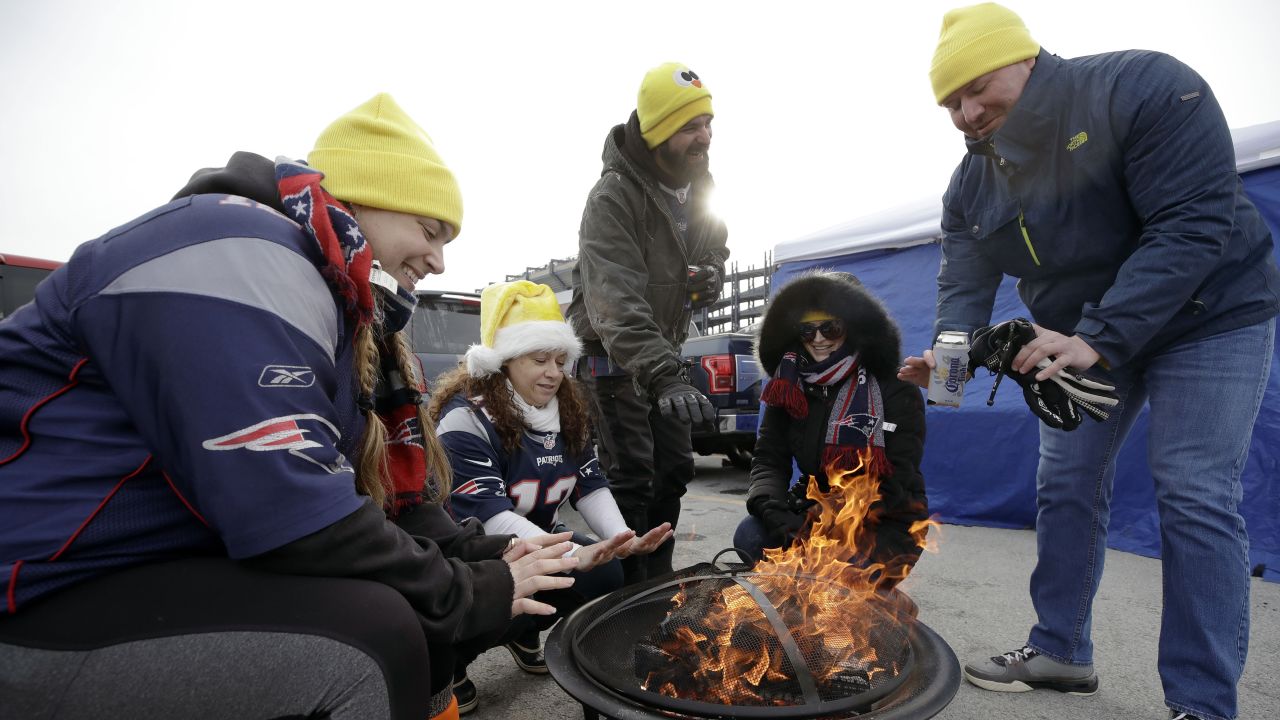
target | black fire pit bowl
x=928, y=683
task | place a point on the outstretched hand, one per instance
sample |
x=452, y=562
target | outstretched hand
x=599, y=553
x=536, y=564
x=647, y=543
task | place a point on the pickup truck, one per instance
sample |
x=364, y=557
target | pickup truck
x=444, y=325
x=18, y=279
x=723, y=367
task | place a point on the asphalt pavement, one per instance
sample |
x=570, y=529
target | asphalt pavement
x=972, y=592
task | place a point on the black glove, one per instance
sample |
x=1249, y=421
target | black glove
x=1058, y=400
x=704, y=285
x=677, y=398
x=781, y=522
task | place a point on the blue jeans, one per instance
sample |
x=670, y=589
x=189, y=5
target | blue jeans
x=1204, y=397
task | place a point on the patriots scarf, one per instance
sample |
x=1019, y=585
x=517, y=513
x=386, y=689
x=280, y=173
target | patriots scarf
x=856, y=422
x=348, y=265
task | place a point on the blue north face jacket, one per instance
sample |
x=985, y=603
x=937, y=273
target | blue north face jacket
x=1111, y=193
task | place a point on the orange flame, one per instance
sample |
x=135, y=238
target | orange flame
x=818, y=585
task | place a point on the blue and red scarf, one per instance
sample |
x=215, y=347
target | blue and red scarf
x=348, y=264
x=856, y=422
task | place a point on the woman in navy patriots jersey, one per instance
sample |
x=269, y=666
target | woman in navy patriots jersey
x=519, y=446
x=220, y=496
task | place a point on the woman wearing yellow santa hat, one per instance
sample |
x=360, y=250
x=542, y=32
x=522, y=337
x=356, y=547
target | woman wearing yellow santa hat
x=519, y=445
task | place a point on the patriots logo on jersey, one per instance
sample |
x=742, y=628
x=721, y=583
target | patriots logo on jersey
x=288, y=433
x=407, y=433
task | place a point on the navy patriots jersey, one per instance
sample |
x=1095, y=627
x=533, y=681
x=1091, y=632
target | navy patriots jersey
x=533, y=482
x=182, y=386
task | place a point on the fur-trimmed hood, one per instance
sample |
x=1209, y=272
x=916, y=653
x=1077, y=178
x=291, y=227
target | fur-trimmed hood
x=869, y=329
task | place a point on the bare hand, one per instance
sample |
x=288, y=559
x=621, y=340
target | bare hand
x=1066, y=349
x=524, y=546
x=917, y=369
x=646, y=543
x=537, y=571
x=596, y=554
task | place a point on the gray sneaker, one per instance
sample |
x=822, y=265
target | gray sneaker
x=1026, y=669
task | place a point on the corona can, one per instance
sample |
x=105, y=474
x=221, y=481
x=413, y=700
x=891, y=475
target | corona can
x=951, y=369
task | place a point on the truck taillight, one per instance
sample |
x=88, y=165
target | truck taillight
x=719, y=373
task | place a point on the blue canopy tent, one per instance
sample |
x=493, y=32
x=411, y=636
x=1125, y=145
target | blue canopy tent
x=980, y=461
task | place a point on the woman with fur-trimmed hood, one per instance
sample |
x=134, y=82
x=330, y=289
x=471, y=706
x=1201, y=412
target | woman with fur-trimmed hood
x=832, y=354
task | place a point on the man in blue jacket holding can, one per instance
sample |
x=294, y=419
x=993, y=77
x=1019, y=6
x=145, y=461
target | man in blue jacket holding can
x=1107, y=185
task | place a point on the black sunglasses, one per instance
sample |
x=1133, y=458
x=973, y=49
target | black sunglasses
x=830, y=329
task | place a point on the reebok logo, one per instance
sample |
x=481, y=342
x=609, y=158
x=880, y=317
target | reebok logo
x=286, y=376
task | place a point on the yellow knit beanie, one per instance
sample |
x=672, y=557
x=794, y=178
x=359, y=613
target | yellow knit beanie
x=376, y=155
x=670, y=96
x=517, y=318
x=816, y=316
x=974, y=41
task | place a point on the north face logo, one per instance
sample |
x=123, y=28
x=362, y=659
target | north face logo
x=286, y=376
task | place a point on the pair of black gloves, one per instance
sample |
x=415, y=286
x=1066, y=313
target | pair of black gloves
x=1060, y=401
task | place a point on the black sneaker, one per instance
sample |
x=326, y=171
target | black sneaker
x=465, y=691
x=530, y=659
x=1175, y=715
x=1026, y=669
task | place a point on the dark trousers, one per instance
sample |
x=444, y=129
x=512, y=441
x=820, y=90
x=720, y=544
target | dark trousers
x=207, y=637
x=647, y=458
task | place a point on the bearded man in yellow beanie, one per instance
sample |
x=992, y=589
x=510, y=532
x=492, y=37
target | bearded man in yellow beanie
x=213, y=447
x=1107, y=185
x=650, y=252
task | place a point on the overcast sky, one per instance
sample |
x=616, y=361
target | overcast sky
x=823, y=110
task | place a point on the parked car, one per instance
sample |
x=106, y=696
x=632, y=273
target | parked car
x=444, y=325
x=723, y=367
x=18, y=279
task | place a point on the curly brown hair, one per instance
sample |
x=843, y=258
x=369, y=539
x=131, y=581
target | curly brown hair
x=496, y=398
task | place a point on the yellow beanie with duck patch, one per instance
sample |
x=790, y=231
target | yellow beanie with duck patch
x=376, y=155
x=974, y=41
x=517, y=318
x=670, y=96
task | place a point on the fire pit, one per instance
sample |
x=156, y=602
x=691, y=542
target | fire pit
x=810, y=631
x=617, y=656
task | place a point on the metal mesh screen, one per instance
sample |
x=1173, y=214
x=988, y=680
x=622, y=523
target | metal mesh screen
x=710, y=641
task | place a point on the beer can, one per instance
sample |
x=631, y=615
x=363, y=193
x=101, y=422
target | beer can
x=951, y=369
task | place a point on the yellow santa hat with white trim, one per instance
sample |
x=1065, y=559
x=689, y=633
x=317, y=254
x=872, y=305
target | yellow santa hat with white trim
x=517, y=318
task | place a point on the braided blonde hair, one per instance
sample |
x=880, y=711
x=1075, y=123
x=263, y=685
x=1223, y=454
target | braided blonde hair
x=373, y=472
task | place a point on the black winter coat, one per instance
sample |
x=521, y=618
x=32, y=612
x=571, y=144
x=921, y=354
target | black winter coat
x=903, y=500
